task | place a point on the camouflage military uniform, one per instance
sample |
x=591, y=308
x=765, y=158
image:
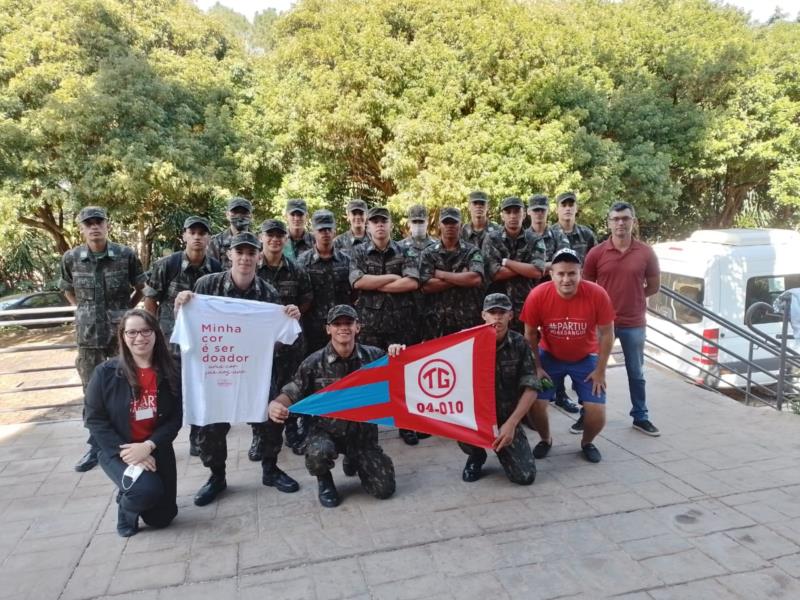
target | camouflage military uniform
x=468, y=234
x=330, y=282
x=553, y=240
x=212, y=438
x=327, y=438
x=422, y=306
x=102, y=286
x=581, y=238
x=386, y=318
x=524, y=248
x=164, y=286
x=345, y=242
x=295, y=248
x=513, y=372
x=218, y=247
x=455, y=308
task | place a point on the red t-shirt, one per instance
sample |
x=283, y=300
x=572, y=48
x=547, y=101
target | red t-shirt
x=568, y=325
x=622, y=275
x=145, y=407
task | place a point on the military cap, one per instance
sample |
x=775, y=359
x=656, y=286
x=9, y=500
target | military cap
x=355, y=204
x=91, y=212
x=342, y=310
x=511, y=202
x=195, y=220
x=538, y=201
x=566, y=196
x=322, y=219
x=272, y=225
x=245, y=238
x=566, y=255
x=478, y=196
x=378, y=211
x=450, y=213
x=493, y=301
x=238, y=202
x=296, y=205
x=417, y=212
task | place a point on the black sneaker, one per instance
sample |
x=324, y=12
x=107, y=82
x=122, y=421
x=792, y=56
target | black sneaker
x=87, y=462
x=127, y=522
x=647, y=428
x=212, y=488
x=591, y=453
x=541, y=449
x=409, y=437
x=566, y=405
x=256, y=452
x=577, y=426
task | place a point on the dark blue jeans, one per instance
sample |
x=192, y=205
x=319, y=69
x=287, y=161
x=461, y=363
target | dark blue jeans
x=152, y=496
x=632, y=341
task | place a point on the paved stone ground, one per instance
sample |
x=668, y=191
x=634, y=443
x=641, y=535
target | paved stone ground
x=710, y=509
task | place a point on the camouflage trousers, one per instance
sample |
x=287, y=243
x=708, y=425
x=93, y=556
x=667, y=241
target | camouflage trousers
x=516, y=458
x=86, y=361
x=375, y=469
x=212, y=441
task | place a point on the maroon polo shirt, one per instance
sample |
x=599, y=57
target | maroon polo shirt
x=622, y=275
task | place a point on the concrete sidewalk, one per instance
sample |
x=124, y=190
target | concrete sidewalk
x=710, y=509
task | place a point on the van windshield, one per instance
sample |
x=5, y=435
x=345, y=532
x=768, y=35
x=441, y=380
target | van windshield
x=691, y=287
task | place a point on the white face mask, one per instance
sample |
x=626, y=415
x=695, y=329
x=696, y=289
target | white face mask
x=419, y=230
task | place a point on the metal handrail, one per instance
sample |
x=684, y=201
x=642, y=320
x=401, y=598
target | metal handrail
x=37, y=311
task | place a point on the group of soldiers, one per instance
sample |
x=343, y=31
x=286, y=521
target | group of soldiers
x=360, y=286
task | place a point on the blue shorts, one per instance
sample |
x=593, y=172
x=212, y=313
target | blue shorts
x=577, y=371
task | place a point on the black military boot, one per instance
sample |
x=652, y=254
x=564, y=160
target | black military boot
x=409, y=437
x=272, y=476
x=328, y=496
x=472, y=470
x=349, y=466
x=212, y=488
x=296, y=432
x=194, y=449
x=256, y=452
x=88, y=461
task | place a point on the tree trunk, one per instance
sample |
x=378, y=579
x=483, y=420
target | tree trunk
x=44, y=219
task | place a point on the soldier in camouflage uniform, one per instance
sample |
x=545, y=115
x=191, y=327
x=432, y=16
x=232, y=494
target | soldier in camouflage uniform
x=103, y=280
x=538, y=206
x=240, y=214
x=479, y=225
x=414, y=244
x=581, y=238
x=329, y=271
x=516, y=386
x=327, y=437
x=242, y=282
x=357, y=234
x=294, y=287
x=299, y=239
x=451, y=272
x=173, y=274
x=515, y=259
x=384, y=275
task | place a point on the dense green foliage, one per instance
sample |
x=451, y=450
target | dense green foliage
x=156, y=110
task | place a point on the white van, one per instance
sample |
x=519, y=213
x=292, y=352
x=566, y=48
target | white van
x=726, y=271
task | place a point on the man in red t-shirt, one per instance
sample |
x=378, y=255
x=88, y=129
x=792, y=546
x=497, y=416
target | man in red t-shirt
x=570, y=325
x=628, y=270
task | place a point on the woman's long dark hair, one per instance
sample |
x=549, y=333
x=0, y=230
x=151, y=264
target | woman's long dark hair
x=162, y=359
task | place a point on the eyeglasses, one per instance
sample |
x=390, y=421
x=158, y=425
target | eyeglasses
x=625, y=220
x=132, y=333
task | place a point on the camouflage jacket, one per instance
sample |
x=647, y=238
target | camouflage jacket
x=468, y=234
x=455, y=308
x=394, y=259
x=218, y=247
x=295, y=248
x=221, y=284
x=163, y=286
x=418, y=245
x=330, y=282
x=553, y=240
x=102, y=287
x=581, y=238
x=524, y=248
x=513, y=371
x=347, y=241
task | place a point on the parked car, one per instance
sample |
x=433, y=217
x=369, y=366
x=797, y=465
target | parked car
x=726, y=271
x=35, y=300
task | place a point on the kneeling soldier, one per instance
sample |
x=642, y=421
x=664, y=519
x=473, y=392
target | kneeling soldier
x=327, y=438
x=515, y=385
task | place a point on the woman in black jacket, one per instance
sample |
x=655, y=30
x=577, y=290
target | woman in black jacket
x=134, y=412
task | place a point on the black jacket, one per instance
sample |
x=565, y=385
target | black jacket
x=108, y=399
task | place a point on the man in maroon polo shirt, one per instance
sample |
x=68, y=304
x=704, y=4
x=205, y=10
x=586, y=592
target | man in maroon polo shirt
x=628, y=270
